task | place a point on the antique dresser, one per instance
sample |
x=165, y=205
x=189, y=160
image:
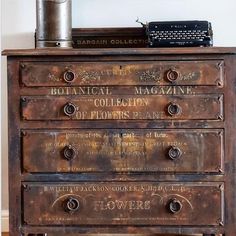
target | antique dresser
x=122, y=141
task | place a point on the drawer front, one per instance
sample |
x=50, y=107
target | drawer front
x=123, y=107
x=123, y=204
x=123, y=150
x=122, y=73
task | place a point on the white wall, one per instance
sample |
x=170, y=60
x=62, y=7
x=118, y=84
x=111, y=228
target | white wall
x=18, y=25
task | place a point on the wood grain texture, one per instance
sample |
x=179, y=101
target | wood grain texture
x=71, y=151
x=45, y=110
x=118, y=51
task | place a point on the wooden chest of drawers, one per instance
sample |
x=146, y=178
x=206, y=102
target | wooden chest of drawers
x=122, y=141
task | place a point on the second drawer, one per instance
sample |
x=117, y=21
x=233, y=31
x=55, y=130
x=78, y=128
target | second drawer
x=124, y=150
x=123, y=107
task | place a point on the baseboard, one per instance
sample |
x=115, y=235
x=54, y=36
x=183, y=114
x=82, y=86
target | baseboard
x=5, y=221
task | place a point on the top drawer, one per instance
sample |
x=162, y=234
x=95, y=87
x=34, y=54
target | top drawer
x=34, y=74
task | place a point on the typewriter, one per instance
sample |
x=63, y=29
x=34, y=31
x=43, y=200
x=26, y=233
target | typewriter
x=179, y=33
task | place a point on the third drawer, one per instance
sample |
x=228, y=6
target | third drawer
x=125, y=150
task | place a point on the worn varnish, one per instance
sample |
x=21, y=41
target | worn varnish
x=125, y=150
x=135, y=141
x=123, y=73
x=123, y=204
x=156, y=107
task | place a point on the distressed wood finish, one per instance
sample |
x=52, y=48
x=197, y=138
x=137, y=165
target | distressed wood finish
x=121, y=107
x=123, y=73
x=125, y=150
x=124, y=52
x=51, y=145
x=123, y=204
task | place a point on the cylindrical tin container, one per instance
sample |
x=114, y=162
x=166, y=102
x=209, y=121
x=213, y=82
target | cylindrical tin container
x=54, y=23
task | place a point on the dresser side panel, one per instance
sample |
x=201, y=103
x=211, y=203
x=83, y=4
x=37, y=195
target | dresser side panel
x=230, y=146
x=14, y=153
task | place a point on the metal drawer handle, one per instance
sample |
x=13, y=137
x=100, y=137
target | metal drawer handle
x=172, y=75
x=71, y=205
x=69, y=76
x=173, y=109
x=69, y=152
x=174, y=206
x=69, y=109
x=174, y=153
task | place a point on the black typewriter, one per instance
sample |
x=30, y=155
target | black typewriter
x=179, y=33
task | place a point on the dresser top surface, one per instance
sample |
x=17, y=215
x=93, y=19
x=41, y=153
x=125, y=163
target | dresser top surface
x=119, y=51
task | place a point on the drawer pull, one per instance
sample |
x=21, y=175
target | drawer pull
x=174, y=153
x=69, y=76
x=172, y=75
x=71, y=205
x=174, y=206
x=173, y=109
x=69, y=152
x=69, y=109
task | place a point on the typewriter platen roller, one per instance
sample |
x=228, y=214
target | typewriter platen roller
x=179, y=33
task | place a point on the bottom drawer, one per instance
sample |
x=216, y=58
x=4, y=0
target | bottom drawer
x=123, y=203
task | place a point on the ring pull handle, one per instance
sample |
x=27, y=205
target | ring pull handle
x=174, y=206
x=69, y=152
x=71, y=205
x=173, y=109
x=69, y=76
x=174, y=153
x=172, y=75
x=69, y=109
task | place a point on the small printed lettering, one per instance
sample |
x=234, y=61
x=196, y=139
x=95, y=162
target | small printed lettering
x=108, y=115
x=111, y=42
x=164, y=90
x=81, y=91
x=92, y=42
x=117, y=188
x=121, y=102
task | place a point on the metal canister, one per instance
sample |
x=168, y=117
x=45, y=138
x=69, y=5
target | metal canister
x=54, y=23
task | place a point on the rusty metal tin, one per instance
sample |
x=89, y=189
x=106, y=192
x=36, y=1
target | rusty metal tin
x=54, y=23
